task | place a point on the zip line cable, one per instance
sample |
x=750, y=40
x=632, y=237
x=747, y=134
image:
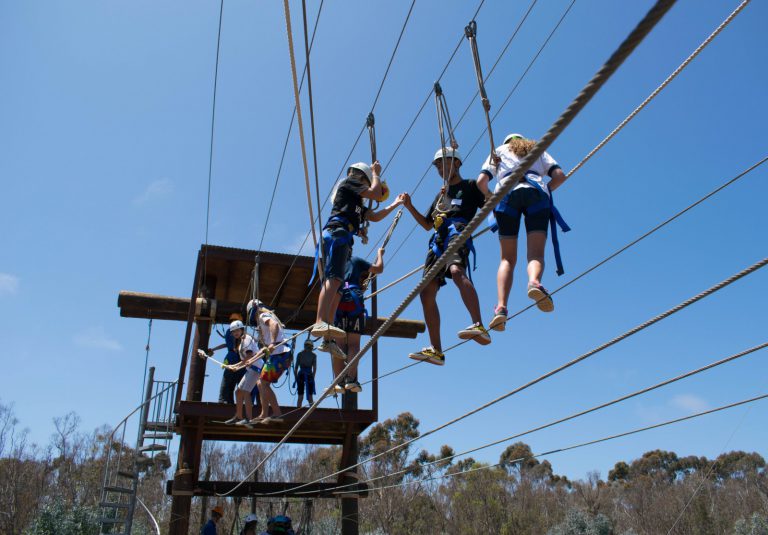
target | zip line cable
x=563, y=367
x=671, y=77
x=210, y=152
x=598, y=80
x=622, y=124
x=288, y=134
x=572, y=416
x=575, y=446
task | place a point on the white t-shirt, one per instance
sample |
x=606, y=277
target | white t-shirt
x=510, y=161
x=249, y=344
x=266, y=335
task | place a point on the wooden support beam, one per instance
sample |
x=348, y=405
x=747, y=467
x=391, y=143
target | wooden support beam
x=251, y=488
x=161, y=307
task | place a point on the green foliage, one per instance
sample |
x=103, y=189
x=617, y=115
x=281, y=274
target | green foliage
x=578, y=522
x=58, y=519
x=756, y=525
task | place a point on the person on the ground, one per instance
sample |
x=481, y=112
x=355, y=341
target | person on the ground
x=211, y=527
x=229, y=378
x=455, y=205
x=277, y=357
x=350, y=317
x=348, y=217
x=250, y=526
x=305, y=370
x=251, y=362
x=531, y=198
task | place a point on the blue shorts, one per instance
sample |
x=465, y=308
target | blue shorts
x=336, y=256
x=520, y=200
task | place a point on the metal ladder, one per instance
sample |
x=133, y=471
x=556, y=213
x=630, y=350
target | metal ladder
x=123, y=465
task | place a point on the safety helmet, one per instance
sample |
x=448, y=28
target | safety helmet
x=219, y=510
x=384, y=191
x=251, y=518
x=364, y=167
x=513, y=136
x=237, y=324
x=450, y=152
x=254, y=303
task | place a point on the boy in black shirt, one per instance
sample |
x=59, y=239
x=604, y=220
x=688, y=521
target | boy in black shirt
x=451, y=210
x=347, y=218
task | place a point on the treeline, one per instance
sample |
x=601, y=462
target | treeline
x=55, y=489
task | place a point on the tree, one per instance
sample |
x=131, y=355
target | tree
x=59, y=519
x=578, y=522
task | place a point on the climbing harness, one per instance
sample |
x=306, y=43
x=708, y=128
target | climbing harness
x=328, y=242
x=470, y=31
x=351, y=305
x=555, y=219
x=443, y=235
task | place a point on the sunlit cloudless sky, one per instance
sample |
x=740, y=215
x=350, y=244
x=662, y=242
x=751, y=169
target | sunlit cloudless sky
x=104, y=150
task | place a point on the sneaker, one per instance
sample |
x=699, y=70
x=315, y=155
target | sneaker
x=232, y=421
x=338, y=389
x=429, y=354
x=244, y=422
x=335, y=332
x=476, y=332
x=541, y=296
x=320, y=329
x=352, y=385
x=330, y=346
x=499, y=321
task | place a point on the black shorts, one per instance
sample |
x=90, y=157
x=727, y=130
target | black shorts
x=335, y=263
x=521, y=200
x=460, y=258
x=350, y=324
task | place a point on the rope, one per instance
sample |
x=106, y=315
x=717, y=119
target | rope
x=575, y=415
x=387, y=237
x=288, y=134
x=576, y=446
x=613, y=63
x=146, y=355
x=664, y=84
x=567, y=365
x=297, y=99
x=210, y=153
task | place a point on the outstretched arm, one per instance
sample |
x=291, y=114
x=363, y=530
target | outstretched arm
x=384, y=212
x=420, y=219
x=378, y=266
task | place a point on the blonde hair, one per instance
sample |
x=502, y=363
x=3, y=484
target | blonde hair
x=521, y=147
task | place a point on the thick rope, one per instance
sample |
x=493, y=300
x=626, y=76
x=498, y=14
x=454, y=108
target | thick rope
x=300, y=122
x=617, y=58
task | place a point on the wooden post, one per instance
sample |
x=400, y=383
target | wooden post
x=349, y=454
x=204, y=499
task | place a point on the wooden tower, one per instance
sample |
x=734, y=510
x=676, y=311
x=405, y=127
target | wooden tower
x=222, y=286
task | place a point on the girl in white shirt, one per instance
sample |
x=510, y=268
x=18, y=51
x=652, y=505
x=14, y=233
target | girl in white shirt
x=529, y=198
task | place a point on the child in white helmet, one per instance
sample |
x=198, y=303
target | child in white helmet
x=251, y=360
x=348, y=216
x=277, y=359
x=453, y=207
x=531, y=198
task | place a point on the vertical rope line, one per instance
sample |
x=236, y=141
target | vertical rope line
x=300, y=122
x=210, y=154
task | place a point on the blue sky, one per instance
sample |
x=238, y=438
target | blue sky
x=105, y=131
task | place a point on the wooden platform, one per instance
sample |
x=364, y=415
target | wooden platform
x=235, y=489
x=324, y=426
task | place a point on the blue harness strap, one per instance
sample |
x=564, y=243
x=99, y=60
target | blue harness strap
x=328, y=242
x=351, y=293
x=555, y=219
x=446, y=233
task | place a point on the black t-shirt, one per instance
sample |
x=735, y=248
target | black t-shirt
x=464, y=199
x=348, y=203
x=356, y=268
